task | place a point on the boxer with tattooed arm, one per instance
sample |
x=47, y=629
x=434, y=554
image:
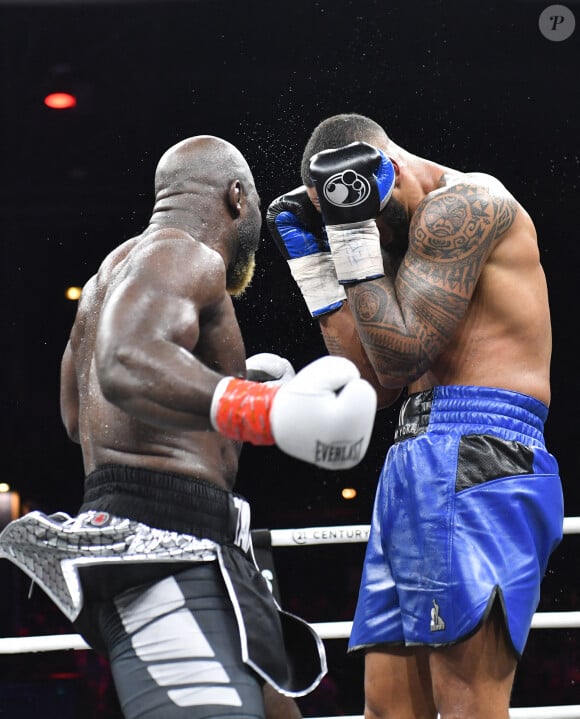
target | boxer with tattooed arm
x=430, y=280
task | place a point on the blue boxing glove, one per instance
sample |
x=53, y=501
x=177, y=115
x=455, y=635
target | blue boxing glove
x=354, y=183
x=296, y=228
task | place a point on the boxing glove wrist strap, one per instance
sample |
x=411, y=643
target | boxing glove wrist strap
x=240, y=410
x=356, y=251
x=316, y=278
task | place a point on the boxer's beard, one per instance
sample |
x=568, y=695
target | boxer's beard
x=395, y=216
x=240, y=276
x=241, y=269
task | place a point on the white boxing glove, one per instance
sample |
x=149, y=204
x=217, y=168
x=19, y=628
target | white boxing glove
x=324, y=415
x=269, y=368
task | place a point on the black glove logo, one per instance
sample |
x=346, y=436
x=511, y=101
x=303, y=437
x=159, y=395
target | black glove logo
x=346, y=189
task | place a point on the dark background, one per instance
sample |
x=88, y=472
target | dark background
x=471, y=85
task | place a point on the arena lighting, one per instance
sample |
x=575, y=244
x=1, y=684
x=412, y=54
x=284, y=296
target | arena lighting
x=348, y=493
x=60, y=101
x=73, y=293
x=9, y=505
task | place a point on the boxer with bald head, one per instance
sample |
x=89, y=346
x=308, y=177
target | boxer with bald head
x=430, y=280
x=157, y=568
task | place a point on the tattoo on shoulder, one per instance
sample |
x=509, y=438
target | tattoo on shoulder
x=411, y=318
x=464, y=219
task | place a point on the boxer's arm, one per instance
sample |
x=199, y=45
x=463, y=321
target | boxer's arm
x=69, y=395
x=417, y=312
x=148, y=332
x=296, y=228
x=148, y=329
x=406, y=321
x=340, y=335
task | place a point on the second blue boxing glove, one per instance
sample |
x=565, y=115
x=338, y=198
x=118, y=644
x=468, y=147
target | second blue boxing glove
x=296, y=228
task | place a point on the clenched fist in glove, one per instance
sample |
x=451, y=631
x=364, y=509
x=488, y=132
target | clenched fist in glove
x=270, y=368
x=324, y=415
x=353, y=183
x=296, y=228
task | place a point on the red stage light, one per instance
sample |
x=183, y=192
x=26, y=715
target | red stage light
x=60, y=100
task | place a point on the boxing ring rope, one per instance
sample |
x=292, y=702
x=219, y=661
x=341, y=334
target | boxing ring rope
x=342, y=534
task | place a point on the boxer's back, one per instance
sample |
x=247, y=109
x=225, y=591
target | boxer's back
x=109, y=435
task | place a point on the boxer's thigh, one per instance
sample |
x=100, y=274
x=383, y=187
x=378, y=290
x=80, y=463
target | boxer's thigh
x=175, y=650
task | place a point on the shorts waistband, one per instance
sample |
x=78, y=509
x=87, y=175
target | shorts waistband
x=469, y=409
x=164, y=500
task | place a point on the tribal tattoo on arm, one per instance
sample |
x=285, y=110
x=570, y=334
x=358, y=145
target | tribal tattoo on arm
x=405, y=321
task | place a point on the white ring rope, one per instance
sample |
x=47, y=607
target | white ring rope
x=309, y=536
x=354, y=533
x=571, y=711
x=325, y=630
x=541, y=620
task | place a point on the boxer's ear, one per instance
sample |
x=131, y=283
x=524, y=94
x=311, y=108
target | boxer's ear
x=397, y=171
x=235, y=197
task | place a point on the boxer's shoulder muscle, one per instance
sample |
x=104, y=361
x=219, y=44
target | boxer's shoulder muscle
x=468, y=213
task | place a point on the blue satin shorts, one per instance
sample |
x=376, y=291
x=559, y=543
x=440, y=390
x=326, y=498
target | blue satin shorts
x=468, y=509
